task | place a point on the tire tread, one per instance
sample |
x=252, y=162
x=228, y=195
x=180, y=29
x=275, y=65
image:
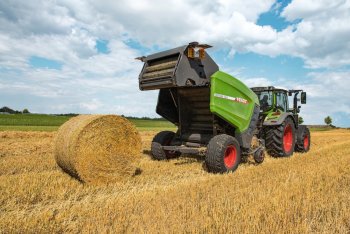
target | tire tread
x=215, y=150
x=158, y=141
x=299, y=146
x=274, y=139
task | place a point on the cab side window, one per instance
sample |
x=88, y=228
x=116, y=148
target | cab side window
x=281, y=102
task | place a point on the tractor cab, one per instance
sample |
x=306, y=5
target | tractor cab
x=272, y=99
x=276, y=100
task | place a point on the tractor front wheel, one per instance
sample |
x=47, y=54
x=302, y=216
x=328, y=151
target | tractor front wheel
x=280, y=140
x=303, y=143
x=162, y=139
x=223, y=154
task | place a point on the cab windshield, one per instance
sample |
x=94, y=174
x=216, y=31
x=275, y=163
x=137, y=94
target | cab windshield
x=266, y=100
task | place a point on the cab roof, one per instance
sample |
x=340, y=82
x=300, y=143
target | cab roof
x=267, y=88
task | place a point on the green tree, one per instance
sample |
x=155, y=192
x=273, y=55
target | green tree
x=300, y=120
x=328, y=120
x=25, y=111
x=7, y=109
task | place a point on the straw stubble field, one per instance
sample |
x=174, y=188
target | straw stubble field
x=305, y=193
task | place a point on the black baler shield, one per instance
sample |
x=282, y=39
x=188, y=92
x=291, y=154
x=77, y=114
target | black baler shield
x=173, y=68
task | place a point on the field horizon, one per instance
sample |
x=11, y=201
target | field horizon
x=45, y=122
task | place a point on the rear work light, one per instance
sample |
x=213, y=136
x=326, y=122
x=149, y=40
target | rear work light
x=197, y=51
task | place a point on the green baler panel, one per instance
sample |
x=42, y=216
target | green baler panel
x=232, y=100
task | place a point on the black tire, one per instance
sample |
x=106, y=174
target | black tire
x=259, y=156
x=159, y=140
x=280, y=140
x=223, y=154
x=303, y=143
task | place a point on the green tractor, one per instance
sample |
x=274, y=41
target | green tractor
x=278, y=125
x=217, y=115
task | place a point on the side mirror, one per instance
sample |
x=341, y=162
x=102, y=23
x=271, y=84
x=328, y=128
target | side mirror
x=303, y=97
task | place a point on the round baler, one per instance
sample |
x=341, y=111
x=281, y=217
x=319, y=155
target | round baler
x=217, y=115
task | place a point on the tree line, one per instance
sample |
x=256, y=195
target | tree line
x=9, y=110
x=6, y=109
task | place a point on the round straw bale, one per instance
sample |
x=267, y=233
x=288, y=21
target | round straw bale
x=98, y=148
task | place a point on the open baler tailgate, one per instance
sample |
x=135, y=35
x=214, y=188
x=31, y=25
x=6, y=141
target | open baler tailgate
x=173, y=68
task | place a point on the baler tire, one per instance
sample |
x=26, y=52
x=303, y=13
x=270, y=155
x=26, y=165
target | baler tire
x=277, y=143
x=303, y=143
x=223, y=154
x=159, y=140
x=259, y=156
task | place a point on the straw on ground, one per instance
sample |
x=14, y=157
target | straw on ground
x=305, y=193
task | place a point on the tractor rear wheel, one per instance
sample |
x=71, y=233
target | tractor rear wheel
x=161, y=139
x=223, y=154
x=303, y=143
x=280, y=140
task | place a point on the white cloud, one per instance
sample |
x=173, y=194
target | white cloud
x=330, y=91
x=66, y=31
x=92, y=105
x=173, y=22
x=321, y=38
x=257, y=82
x=312, y=9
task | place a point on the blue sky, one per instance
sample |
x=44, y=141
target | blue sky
x=44, y=63
x=78, y=56
x=273, y=18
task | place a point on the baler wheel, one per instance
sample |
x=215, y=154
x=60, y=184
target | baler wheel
x=223, y=154
x=280, y=140
x=303, y=144
x=259, y=156
x=159, y=140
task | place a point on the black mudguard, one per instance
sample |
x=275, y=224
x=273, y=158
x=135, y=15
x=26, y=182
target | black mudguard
x=245, y=138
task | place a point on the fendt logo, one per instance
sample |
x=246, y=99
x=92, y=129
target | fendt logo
x=234, y=99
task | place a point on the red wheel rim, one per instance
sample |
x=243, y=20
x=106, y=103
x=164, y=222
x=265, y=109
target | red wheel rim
x=306, y=141
x=288, y=138
x=230, y=156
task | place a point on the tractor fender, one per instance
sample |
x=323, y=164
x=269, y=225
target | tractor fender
x=279, y=120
